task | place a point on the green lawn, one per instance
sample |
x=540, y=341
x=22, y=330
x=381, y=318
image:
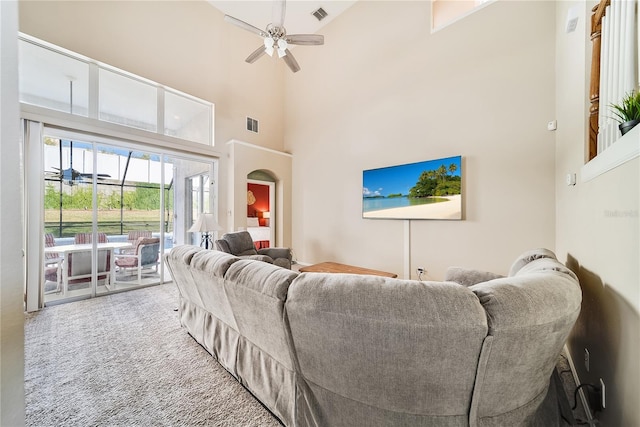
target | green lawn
x=79, y=221
x=81, y=215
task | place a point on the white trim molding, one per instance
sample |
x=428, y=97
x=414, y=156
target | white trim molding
x=624, y=149
x=258, y=147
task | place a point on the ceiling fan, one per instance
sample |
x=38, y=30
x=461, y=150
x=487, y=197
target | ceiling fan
x=275, y=37
x=70, y=176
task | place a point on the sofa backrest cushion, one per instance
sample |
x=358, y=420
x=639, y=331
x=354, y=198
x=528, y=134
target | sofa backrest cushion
x=530, y=316
x=257, y=292
x=402, y=346
x=179, y=262
x=208, y=269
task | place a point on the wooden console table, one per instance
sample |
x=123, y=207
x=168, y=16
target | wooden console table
x=334, y=267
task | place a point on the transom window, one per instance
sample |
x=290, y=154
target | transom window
x=61, y=80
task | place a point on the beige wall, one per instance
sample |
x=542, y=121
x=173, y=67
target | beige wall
x=602, y=247
x=11, y=274
x=384, y=91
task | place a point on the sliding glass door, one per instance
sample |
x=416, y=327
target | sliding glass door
x=110, y=210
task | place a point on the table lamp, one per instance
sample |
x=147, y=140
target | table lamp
x=205, y=224
x=266, y=215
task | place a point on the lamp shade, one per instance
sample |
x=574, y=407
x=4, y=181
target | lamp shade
x=206, y=222
x=266, y=215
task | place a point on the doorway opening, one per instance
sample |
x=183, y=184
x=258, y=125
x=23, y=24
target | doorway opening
x=261, y=208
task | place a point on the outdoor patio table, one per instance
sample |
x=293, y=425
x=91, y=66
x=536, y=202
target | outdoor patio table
x=63, y=250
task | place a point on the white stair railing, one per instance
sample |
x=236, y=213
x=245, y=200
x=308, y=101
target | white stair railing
x=618, y=64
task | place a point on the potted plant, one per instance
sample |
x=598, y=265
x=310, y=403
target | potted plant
x=628, y=111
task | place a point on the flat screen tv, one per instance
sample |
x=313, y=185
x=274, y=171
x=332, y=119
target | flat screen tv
x=424, y=190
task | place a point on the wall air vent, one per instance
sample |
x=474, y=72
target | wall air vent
x=252, y=125
x=320, y=14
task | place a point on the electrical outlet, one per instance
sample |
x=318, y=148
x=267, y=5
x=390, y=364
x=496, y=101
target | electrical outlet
x=586, y=359
x=420, y=271
x=602, y=393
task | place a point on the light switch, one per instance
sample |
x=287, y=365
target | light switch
x=572, y=20
x=571, y=179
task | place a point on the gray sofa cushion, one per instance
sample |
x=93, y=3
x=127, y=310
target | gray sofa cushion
x=467, y=277
x=179, y=260
x=377, y=351
x=257, y=292
x=529, y=256
x=530, y=316
x=208, y=269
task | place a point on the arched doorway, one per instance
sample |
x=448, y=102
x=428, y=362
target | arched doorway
x=261, y=208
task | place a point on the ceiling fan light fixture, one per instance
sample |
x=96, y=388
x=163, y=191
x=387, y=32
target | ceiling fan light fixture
x=275, y=37
x=282, y=48
x=268, y=45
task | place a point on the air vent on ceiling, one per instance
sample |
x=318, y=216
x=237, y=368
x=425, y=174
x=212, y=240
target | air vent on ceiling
x=252, y=125
x=320, y=14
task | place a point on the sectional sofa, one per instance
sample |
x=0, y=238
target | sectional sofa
x=352, y=350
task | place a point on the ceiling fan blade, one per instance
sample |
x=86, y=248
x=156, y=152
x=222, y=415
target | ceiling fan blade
x=90, y=175
x=291, y=61
x=255, y=55
x=279, y=10
x=244, y=25
x=305, y=39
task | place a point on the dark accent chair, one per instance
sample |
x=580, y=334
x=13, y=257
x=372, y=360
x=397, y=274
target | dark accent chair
x=240, y=244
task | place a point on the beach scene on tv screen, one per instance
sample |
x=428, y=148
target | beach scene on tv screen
x=424, y=190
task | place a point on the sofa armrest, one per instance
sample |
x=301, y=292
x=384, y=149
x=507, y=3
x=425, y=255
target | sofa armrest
x=468, y=276
x=276, y=252
x=222, y=246
x=281, y=256
x=263, y=258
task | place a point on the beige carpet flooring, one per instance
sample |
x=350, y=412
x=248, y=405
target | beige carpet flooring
x=124, y=360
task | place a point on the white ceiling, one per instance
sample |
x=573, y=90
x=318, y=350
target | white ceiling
x=298, y=17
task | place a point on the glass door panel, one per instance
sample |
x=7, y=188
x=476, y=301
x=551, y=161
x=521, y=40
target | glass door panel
x=68, y=219
x=192, y=193
x=129, y=209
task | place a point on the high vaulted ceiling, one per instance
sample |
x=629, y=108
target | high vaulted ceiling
x=298, y=18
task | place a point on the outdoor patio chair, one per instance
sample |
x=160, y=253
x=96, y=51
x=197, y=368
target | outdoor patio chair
x=146, y=254
x=132, y=238
x=86, y=238
x=78, y=268
x=49, y=257
x=134, y=235
x=51, y=263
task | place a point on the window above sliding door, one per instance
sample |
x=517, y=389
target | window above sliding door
x=57, y=79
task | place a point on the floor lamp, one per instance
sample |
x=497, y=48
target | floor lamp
x=205, y=224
